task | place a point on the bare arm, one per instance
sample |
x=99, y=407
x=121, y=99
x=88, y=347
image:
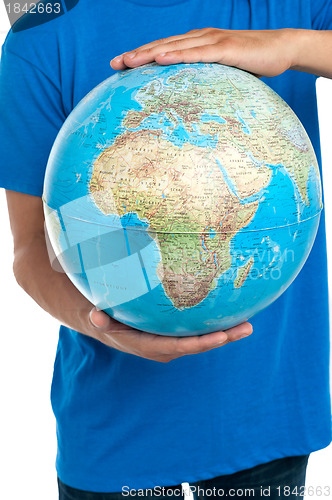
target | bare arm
x=262, y=52
x=56, y=294
x=52, y=290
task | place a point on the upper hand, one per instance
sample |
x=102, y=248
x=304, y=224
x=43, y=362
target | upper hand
x=158, y=347
x=261, y=52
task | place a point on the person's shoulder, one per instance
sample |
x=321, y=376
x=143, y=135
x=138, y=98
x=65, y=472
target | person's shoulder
x=37, y=35
x=43, y=12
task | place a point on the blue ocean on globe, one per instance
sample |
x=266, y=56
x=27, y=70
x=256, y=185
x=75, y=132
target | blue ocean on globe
x=182, y=199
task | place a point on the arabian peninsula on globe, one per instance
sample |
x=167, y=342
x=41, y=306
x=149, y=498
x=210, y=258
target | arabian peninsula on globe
x=182, y=199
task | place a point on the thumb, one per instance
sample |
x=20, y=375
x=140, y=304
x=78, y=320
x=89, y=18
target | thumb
x=99, y=318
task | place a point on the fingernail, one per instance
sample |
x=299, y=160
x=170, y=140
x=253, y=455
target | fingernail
x=245, y=335
x=117, y=59
x=162, y=54
x=94, y=324
x=132, y=55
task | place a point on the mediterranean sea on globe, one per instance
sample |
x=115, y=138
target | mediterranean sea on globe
x=182, y=199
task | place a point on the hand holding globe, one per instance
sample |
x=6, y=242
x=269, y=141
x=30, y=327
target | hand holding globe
x=182, y=199
x=260, y=52
x=123, y=145
x=157, y=347
x=61, y=299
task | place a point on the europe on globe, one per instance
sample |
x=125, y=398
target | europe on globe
x=182, y=199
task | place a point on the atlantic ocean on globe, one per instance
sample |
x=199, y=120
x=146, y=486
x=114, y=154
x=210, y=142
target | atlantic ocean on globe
x=182, y=199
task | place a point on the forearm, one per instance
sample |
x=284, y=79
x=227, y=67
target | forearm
x=312, y=51
x=52, y=290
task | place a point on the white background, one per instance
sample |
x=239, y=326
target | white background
x=29, y=337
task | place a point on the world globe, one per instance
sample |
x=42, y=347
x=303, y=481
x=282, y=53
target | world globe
x=182, y=199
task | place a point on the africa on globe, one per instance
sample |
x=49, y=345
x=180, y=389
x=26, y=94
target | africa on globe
x=182, y=199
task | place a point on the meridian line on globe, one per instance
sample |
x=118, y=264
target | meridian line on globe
x=116, y=224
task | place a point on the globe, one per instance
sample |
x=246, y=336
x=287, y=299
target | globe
x=182, y=199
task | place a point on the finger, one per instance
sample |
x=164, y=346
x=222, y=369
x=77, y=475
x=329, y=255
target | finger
x=233, y=334
x=189, y=34
x=158, y=345
x=118, y=61
x=99, y=319
x=181, y=346
x=240, y=331
x=208, y=53
x=198, y=343
x=204, y=343
x=137, y=58
x=201, y=343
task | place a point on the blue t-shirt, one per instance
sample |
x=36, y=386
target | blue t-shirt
x=126, y=420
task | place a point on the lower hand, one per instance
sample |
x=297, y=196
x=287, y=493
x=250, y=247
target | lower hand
x=158, y=347
x=57, y=295
x=261, y=52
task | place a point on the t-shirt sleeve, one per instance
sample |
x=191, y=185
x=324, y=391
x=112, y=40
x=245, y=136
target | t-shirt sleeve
x=321, y=14
x=31, y=114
